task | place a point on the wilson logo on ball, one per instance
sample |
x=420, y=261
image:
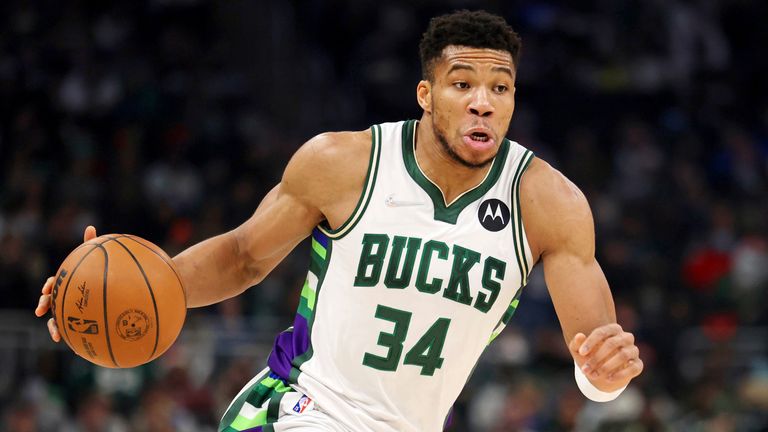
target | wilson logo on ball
x=132, y=324
x=55, y=293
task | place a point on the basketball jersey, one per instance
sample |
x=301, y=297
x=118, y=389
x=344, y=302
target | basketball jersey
x=402, y=299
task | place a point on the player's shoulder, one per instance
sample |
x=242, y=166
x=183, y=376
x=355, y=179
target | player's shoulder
x=333, y=153
x=543, y=184
x=553, y=207
x=337, y=147
x=329, y=166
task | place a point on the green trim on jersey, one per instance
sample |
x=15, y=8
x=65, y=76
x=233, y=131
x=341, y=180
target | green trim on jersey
x=318, y=262
x=365, y=195
x=317, y=247
x=522, y=260
x=258, y=405
x=320, y=258
x=448, y=212
x=517, y=235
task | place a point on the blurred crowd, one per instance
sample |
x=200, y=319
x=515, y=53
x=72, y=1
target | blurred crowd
x=170, y=119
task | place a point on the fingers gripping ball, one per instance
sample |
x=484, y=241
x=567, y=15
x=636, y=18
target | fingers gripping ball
x=118, y=301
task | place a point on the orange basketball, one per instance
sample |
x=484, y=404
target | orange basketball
x=118, y=301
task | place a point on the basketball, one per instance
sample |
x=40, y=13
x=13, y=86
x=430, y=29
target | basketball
x=118, y=301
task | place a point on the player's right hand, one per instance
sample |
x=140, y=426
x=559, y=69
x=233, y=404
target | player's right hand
x=45, y=297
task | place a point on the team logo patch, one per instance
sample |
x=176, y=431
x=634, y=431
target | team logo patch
x=132, y=324
x=493, y=214
x=302, y=404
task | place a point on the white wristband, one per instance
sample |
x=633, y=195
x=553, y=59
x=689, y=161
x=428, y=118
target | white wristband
x=590, y=391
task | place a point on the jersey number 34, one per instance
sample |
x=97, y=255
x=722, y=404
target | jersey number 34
x=425, y=353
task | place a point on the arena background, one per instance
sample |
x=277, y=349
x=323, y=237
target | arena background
x=170, y=119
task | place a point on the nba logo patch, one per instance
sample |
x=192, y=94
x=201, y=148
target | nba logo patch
x=302, y=404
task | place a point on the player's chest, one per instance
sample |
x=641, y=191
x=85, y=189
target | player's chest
x=416, y=257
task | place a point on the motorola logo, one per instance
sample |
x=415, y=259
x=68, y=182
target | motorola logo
x=493, y=214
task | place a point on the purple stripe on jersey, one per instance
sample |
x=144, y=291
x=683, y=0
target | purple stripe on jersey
x=289, y=345
x=293, y=343
x=256, y=429
x=320, y=237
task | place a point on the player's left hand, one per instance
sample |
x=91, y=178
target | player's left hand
x=44, y=304
x=608, y=356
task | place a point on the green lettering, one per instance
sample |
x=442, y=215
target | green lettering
x=426, y=352
x=458, y=285
x=371, y=260
x=391, y=279
x=392, y=341
x=426, y=257
x=483, y=303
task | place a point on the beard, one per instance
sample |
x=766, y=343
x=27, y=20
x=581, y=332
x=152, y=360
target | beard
x=452, y=153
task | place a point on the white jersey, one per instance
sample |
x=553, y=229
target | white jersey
x=403, y=298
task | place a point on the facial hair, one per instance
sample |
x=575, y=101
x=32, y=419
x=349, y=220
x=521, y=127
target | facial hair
x=455, y=156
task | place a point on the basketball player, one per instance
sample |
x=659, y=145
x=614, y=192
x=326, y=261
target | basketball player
x=423, y=234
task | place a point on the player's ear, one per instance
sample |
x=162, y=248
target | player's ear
x=423, y=95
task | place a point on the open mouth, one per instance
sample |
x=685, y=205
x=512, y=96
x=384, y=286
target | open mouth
x=479, y=136
x=480, y=141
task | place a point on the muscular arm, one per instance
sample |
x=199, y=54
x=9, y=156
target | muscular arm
x=226, y=265
x=561, y=233
x=323, y=181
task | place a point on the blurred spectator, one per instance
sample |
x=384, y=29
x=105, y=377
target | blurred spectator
x=94, y=414
x=20, y=417
x=159, y=412
x=171, y=119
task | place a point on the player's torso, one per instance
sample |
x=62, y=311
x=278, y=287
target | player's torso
x=409, y=292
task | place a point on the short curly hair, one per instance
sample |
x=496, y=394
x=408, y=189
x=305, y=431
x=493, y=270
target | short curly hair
x=476, y=29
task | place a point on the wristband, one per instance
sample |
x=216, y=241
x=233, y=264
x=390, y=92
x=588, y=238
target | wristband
x=590, y=391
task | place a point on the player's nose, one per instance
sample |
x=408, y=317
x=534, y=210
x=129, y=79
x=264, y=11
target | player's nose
x=480, y=104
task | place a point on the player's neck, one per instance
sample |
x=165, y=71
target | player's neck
x=450, y=176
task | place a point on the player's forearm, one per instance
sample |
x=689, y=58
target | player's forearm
x=214, y=270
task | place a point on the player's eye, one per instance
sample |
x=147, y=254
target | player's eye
x=461, y=85
x=501, y=88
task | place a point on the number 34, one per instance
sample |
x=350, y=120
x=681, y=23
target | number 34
x=426, y=353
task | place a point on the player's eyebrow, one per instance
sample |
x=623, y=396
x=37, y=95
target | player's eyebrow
x=503, y=69
x=463, y=66
x=460, y=66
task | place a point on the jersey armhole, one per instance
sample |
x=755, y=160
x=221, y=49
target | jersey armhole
x=522, y=249
x=365, y=194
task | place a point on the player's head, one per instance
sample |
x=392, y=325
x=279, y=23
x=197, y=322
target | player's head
x=476, y=29
x=469, y=62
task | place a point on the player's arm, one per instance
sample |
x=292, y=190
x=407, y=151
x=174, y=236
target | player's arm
x=561, y=232
x=226, y=265
x=321, y=182
x=308, y=193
